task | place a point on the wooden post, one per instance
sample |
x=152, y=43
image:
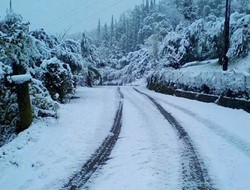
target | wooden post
x=24, y=106
x=23, y=99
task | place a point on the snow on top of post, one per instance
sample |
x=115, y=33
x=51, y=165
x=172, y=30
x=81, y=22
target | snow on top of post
x=20, y=79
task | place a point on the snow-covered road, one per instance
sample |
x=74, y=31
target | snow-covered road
x=149, y=154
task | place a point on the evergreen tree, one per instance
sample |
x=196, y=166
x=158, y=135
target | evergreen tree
x=14, y=41
x=147, y=8
x=112, y=31
x=105, y=36
x=99, y=32
x=58, y=79
x=188, y=10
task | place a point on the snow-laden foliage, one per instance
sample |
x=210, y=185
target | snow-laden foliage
x=174, y=49
x=14, y=41
x=69, y=52
x=232, y=83
x=43, y=104
x=203, y=39
x=240, y=36
x=14, y=54
x=139, y=66
x=53, y=67
x=199, y=40
x=8, y=106
x=58, y=79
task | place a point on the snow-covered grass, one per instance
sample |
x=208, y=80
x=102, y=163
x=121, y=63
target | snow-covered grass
x=50, y=151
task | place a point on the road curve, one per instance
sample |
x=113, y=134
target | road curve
x=194, y=173
x=232, y=139
x=101, y=155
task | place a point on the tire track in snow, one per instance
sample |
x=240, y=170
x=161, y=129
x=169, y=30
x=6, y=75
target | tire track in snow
x=232, y=139
x=99, y=158
x=163, y=152
x=194, y=173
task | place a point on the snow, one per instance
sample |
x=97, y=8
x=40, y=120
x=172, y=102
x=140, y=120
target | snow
x=50, y=151
x=222, y=140
x=147, y=153
x=196, y=74
x=20, y=79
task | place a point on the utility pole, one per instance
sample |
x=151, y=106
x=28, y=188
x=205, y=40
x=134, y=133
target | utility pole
x=11, y=6
x=226, y=35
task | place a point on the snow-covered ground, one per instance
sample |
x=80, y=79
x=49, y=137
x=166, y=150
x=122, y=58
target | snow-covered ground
x=221, y=136
x=196, y=74
x=50, y=151
x=147, y=154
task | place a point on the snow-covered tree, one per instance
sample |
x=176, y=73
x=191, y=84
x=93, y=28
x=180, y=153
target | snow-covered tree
x=15, y=42
x=188, y=9
x=240, y=36
x=58, y=79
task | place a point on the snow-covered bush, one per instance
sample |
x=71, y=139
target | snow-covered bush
x=140, y=64
x=240, y=36
x=193, y=42
x=88, y=51
x=49, y=41
x=48, y=62
x=69, y=52
x=15, y=45
x=8, y=106
x=58, y=79
x=43, y=104
x=14, y=42
x=239, y=44
x=204, y=77
x=175, y=49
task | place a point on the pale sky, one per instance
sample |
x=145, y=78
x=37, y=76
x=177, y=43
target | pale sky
x=56, y=16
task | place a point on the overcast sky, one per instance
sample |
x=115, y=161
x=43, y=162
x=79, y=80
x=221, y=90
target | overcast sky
x=56, y=16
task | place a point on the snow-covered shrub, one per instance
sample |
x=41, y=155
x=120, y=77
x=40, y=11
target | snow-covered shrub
x=232, y=83
x=58, y=79
x=49, y=41
x=239, y=44
x=175, y=49
x=69, y=52
x=15, y=46
x=8, y=106
x=152, y=44
x=14, y=43
x=140, y=64
x=8, y=114
x=43, y=104
x=88, y=52
x=240, y=36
